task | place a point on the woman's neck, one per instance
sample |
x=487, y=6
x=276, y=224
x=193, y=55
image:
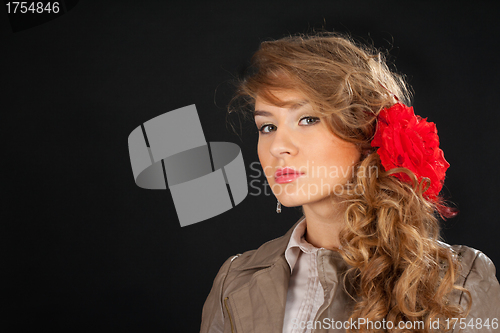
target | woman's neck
x=324, y=221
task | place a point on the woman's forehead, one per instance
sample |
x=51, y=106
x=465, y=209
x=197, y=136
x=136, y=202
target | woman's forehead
x=281, y=98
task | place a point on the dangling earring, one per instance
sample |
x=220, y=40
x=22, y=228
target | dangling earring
x=278, y=207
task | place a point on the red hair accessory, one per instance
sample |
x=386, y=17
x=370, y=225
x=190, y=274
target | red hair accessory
x=407, y=140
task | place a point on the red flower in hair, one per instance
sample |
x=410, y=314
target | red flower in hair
x=406, y=140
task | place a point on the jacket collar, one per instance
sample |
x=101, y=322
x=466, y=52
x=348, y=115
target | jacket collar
x=270, y=252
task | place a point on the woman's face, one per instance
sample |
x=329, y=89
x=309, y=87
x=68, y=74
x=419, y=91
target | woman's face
x=303, y=161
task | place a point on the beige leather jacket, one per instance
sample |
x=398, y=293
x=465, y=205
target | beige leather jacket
x=249, y=292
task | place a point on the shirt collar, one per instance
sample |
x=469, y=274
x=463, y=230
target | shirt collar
x=298, y=243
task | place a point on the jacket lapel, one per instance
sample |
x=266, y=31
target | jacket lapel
x=259, y=306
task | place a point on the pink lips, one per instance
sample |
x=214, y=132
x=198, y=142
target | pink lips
x=286, y=175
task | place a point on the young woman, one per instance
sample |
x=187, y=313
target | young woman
x=337, y=139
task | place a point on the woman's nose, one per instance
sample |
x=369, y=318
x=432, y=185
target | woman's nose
x=282, y=144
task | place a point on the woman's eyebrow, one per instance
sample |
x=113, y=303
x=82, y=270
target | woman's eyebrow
x=262, y=113
x=294, y=105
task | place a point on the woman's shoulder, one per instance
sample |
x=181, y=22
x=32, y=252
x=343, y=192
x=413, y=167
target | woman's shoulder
x=474, y=263
x=265, y=255
x=478, y=277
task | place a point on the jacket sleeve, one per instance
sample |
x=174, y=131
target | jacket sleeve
x=212, y=318
x=481, y=282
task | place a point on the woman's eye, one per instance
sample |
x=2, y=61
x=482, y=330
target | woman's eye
x=305, y=121
x=308, y=120
x=266, y=128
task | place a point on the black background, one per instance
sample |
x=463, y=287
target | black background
x=85, y=249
